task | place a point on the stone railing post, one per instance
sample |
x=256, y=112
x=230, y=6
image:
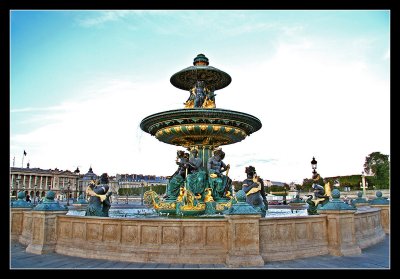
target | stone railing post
x=17, y=222
x=384, y=205
x=44, y=221
x=243, y=234
x=341, y=227
x=360, y=201
x=18, y=208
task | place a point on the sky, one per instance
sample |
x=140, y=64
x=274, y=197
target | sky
x=82, y=81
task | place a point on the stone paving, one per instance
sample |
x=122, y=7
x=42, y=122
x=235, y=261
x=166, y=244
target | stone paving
x=374, y=257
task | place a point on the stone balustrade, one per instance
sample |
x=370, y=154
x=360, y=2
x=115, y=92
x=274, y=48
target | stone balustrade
x=288, y=238
x=229, y=240
x=368, y=227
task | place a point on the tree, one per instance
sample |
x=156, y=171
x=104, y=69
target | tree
x=378, y=165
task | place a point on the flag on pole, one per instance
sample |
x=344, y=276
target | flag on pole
x=24, y=153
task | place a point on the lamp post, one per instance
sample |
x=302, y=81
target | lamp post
x=77, y=171
x=314, y=165
x=284, y=197
x=68, y=187
x=141, y=193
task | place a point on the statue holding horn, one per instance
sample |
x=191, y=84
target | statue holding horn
x=219, y=183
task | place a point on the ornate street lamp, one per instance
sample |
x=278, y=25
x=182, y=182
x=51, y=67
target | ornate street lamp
x=314, y=164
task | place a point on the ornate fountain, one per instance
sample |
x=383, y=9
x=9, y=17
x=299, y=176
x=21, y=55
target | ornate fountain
x=201, y=128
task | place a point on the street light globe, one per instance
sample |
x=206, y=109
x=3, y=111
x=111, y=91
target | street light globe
x=314, y=163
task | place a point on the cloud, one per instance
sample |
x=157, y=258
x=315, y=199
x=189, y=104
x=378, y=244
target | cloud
x=33, y=109
x=102, y=17
x=313, y=99
x=97, y=18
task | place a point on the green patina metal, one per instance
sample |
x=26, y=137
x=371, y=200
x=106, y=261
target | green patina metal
x=379, y=200
x=297, y=204
x=21, y=202
x=241, y=207
x=201, y=126
x=49, y=204
x=336, y=203
x=186, y=78
x=359, y=200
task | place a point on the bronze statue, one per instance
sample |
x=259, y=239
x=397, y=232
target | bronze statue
x=200, y=94
x=177, y=179
x=320, y=198
x=218, y=182
x=190, y=101
x=99, y=202
x=252, y=186
x=196, y=177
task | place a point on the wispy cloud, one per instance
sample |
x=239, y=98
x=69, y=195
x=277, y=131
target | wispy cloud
x=100, y=128
x=36, y=109
x=96, y=18
x=254, y=161
x=102, y=17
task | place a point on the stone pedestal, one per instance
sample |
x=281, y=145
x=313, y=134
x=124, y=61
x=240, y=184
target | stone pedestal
x=385, y=216
x=243, y=234
x=26, y=235
x=341, y=226
x=341, y=233
x=243, y=241
x=17, y=222
x=44, y=231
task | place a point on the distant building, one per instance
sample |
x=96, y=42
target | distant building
x=136, y=180
x=36, y=181
x=269, y=183
x=85, y=180
x=58, y=181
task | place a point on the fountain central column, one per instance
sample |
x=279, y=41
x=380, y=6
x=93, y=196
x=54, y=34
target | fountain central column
x=200, y=125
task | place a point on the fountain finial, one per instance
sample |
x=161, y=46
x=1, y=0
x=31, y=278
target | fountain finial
x=200, y=60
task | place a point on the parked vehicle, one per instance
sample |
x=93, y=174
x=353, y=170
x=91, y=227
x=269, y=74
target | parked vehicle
x=274, y=202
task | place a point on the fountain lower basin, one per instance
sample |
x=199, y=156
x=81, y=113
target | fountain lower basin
x=151, y=213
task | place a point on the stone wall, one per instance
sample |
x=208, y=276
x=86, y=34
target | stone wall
x=368, y=227
x=385, y=216
x=26, y=233
x=17, y=222
x=143, y=240
x=289, y=238
x=236, y=240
